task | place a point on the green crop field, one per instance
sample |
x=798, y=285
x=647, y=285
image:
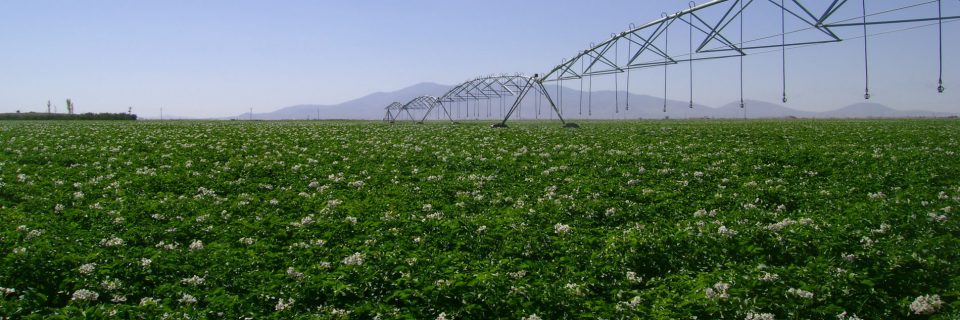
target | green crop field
x=652, y=219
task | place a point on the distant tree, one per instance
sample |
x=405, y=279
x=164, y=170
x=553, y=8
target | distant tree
x=69, y=106
x=48, y=106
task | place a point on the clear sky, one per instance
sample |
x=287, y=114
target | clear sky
x=222, y=57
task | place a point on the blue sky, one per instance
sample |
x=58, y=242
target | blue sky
x=220, y=58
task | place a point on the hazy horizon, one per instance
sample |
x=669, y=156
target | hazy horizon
x=221, y=58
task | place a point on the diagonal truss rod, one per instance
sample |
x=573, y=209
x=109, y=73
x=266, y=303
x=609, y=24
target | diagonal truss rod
x=714, y=39
x=480, y=88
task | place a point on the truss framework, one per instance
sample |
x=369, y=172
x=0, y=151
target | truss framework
x=715, y=34
x=715, y=30
x=480, y=88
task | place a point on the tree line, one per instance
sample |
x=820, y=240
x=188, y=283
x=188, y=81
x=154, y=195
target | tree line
x=63, y=116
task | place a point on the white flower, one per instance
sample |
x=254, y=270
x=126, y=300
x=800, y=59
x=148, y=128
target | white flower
x=58, y=208
x=518, y=274
x=574, y=288
x=531, y=317
x=937, y=217
x=769, y=277
x=442, y=316
x=193, y=281
x=355, y=259
x=145, y=262
x=481, y=229
x=306, y=221
x=844, y=316
x=560, y=228
x=718, y=291
x=800, y=293
x=759, y=316
x=34, y=233
x=187, y=299
x=291, y=272
x=723, y=231
x=849, y=257
x=780, y=225
x=148, y=301
x=247, y=241
x=6, y=291
x=113, y=241
x=111, y=284
x=926, y=304
x=427, y=207
x=632, y=276
x=284, y=305
x=351, y=220
x=196, y=245
x=87, y=268
x=85, y=295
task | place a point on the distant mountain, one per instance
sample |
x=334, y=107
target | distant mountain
x=367, y=107
x=876, y=110
x=575, y=105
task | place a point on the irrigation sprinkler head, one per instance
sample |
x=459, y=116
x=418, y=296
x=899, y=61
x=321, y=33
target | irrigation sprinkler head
x=866, y=96
x=940, y=87
x=498, y=125
x=571, y=125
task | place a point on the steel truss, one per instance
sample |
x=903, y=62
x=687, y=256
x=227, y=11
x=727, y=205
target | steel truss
x=714, y=35
x=393, y=110
x=482, y=88
x=715, y=30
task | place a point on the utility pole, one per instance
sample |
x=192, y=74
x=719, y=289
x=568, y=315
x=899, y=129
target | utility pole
x=251, y=113
x=161, y=113
x=48, y=106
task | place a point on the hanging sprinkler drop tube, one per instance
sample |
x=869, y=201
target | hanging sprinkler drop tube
x=940, y=87
x=666, y=49
x=866, y=58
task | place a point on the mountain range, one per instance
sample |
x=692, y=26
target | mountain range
x=598, y=105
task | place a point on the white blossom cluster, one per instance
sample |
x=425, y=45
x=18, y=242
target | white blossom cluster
x=759, y=316
x=355, y=259
x=800, y=293
x=926, y=304
x=85, y=295
x=561, y=229
x=718, y=291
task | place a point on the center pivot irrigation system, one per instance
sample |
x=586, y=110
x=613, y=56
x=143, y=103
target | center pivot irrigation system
x=714, y=30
